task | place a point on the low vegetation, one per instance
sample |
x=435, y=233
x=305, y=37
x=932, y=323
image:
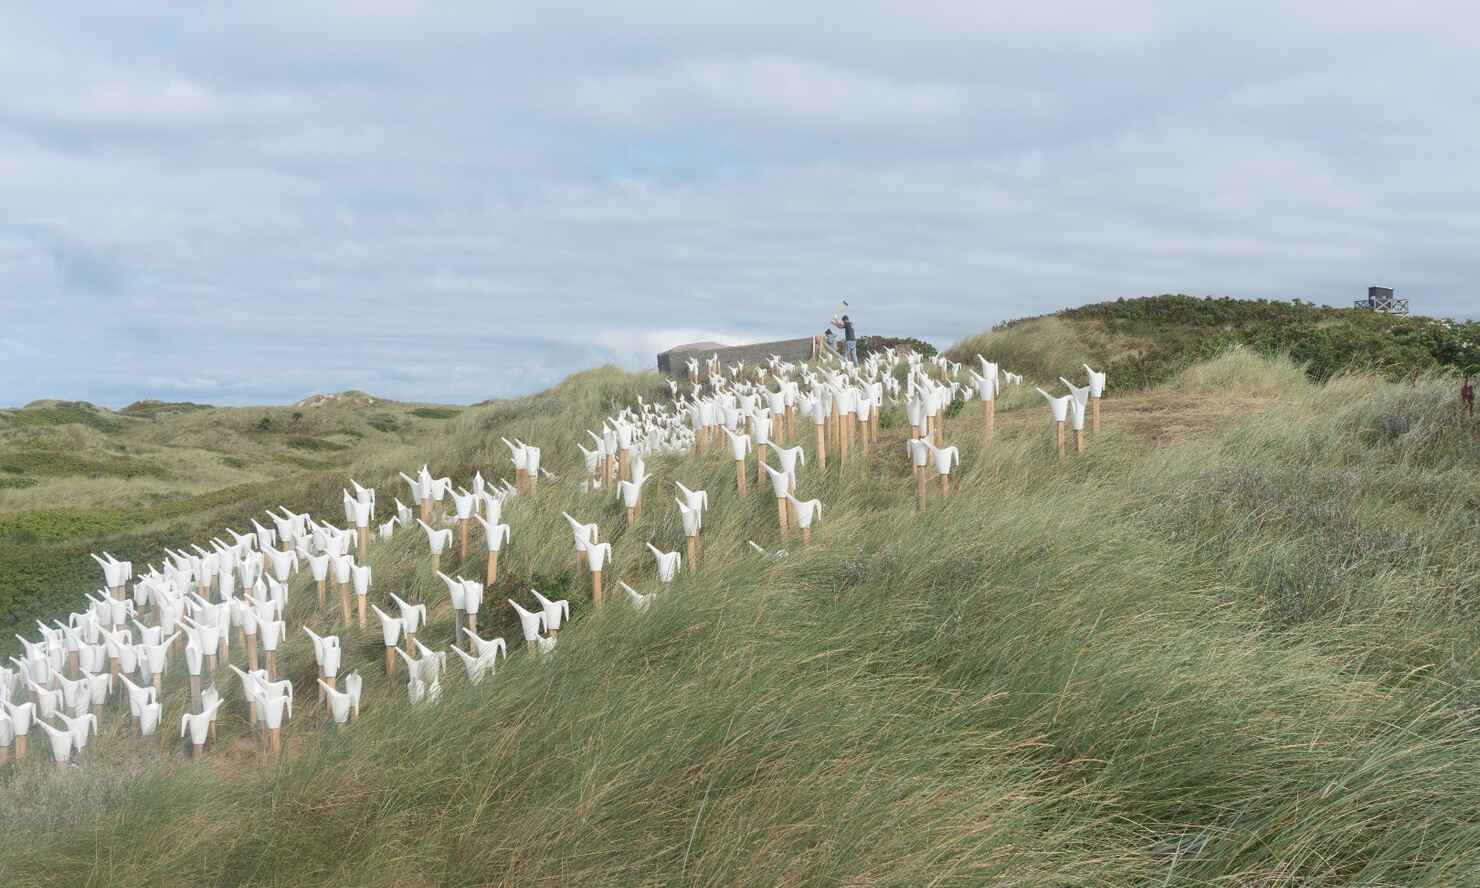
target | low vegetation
x=1233, y=644
x=1144, y=342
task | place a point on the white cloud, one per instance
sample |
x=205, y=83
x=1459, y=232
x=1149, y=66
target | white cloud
x=464, y=200
x=765, y=90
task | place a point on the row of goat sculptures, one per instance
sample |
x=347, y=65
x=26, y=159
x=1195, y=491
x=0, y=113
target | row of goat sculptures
x=135, y=631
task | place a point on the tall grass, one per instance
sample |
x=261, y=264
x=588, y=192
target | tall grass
x=1244, y=658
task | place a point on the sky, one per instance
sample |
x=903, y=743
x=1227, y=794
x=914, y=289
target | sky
x=243, y=203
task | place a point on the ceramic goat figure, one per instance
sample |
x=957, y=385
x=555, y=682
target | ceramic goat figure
x=412, y=618
x=480, y=663
x=437, y=540
x=806, y=511
x=668, y=563
x=639, y=602
x=390, y=628
x=530, y=623
x=1059, y=408
x=496, y=535
x=1096, y=392
x=945, y=458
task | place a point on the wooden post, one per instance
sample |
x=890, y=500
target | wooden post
x=211, y=665
x=472, y=629
x=390, y=662
x=426, y=506
x=158, y=682
x=534, y=487
x=1094, y=407
x=529, y=646
x=195, y=702
x=360, y=605
x=806, y=536
x=322, y=600
x=272, y=665
x=989, y=419
x=20, y=747
x=1079, y=440
x=945, y=486
x=693, y=553
x=781, y=514
x=596, y=587
x=492, y=568
x=275, y=740
x=1060, y=432
x=251, y=645
x=364, y=542
x=845, y=431
x=740, y=476
x=631, y=517
x=821, y=447
x=344, y=601
x=457, y=626
x=72, y=665
x=462, y=534
x=920, y=488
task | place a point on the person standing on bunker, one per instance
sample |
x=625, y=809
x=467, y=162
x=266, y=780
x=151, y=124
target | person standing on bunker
x=850, y=342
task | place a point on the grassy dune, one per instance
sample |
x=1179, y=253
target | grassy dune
x=75, y=479
x=1233, y=644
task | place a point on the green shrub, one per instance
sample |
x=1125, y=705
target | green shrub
x=436, y=412
x=303, y=442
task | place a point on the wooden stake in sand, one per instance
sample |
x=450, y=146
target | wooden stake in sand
x=806, y=511
x=780, y=486
x=1096, y=391
x=597, y=554
x=495, y=535
x=1059, y=410
x=820, y=419
x=919, y=459
x=945, y=458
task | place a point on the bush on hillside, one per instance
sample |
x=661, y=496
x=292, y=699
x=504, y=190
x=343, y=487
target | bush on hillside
x=868, y=345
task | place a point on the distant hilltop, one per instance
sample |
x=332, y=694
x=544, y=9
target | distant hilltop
x=675, y=360
x=352, y=397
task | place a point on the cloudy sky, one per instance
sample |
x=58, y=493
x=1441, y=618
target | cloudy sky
x=450, y=201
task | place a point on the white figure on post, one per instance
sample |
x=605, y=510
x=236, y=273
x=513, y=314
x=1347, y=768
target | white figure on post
x=1096, y=391
x=1059, y=409
x=669, y=563
x=496, y=534
x=390, y=628
x=530, y=623
x=639, y=602
x=412, y=617
x=597, y=554
x=806, y=510
x=945, y=458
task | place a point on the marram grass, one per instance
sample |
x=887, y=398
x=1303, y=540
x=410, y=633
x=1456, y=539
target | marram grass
x=1241, y=655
